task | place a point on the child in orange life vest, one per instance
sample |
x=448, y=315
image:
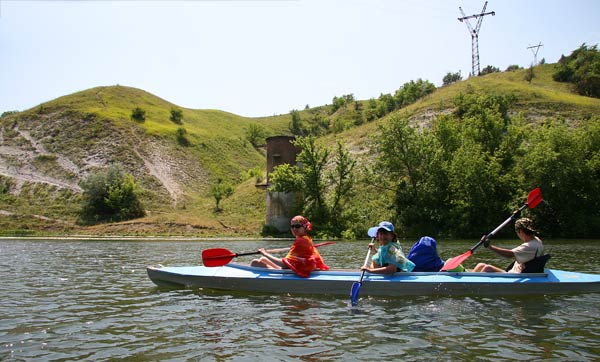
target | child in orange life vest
x=302, y=258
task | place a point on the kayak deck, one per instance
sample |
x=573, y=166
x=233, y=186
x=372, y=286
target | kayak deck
x=338, y=282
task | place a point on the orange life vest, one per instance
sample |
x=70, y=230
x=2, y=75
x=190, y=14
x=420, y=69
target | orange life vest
x=303, y=257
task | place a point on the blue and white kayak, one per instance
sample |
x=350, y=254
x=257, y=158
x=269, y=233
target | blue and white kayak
x=236, y=277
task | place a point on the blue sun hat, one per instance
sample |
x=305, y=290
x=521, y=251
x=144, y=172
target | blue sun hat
x=386, y=225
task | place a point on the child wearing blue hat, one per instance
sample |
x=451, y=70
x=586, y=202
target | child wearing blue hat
x=389, y=257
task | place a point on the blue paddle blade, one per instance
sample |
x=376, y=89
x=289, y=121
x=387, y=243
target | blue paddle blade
x=354, y=293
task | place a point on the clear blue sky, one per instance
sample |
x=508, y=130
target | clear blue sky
x=259, y=58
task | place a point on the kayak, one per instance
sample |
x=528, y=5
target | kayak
x=237, y=277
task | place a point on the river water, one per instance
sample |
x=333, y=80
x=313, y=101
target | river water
x=72, y=300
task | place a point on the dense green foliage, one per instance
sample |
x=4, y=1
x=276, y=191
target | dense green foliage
x=110, y=195
x=473, y=167
x=450, y=78
x=138, y=114
x=346, y=113
x=181, y=135
x=176, y=116
x=339, y=102
x=81, y=131
x=256, y=134
x=582, y=68
x=489, y=69
x=325, y=193
x=565, y=163
x=529, y=74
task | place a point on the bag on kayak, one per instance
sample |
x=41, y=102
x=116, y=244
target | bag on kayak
x=424, y=254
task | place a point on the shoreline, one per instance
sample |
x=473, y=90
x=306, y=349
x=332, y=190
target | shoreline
x=139, y=238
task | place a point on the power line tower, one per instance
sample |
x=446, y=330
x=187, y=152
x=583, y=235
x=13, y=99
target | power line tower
x=537, y=47
x=475, y=35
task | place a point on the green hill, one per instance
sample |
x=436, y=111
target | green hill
x=46, y=151
x=49, y=149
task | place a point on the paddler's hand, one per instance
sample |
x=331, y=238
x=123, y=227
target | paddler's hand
x=262, y=251
x=365, y=268
x=486, y=241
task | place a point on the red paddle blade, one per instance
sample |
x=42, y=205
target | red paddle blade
x=216, y=257
x=534, y=198
x=456, y=261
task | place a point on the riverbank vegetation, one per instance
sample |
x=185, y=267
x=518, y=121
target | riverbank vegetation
x=448, y=161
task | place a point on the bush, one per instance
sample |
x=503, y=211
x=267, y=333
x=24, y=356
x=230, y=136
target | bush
x=582, y=68
x=110, y=195
x=221, y=190
x=450, y=78
x=256, y=134
x=176, y=116
x=181, y=137
x=529, y=74
x=489, y=69
x=138, y=114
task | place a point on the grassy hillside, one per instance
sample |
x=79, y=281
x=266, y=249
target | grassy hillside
x=537, y=101
x=46, y=151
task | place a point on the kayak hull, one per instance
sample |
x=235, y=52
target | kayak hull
x=235, y=277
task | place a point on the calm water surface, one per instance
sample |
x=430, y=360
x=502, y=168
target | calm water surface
x=75, y=300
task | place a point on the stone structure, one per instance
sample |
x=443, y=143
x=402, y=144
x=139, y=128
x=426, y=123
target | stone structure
x=281, y=206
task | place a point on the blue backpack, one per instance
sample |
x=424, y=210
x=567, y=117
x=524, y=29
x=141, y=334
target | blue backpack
x=424, y=254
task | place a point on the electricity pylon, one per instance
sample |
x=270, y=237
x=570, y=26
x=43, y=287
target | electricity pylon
x=537, y=47
x=475, y=36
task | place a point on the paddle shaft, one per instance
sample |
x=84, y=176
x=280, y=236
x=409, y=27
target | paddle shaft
x=511, y=218
x=221, y=256
x=533, y=199
x=270, y=251
x=281, y=250
x=356, y=285
x=362, y=274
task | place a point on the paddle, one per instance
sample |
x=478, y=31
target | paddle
x=356, y=285
x=533, y=199
x=221, y=256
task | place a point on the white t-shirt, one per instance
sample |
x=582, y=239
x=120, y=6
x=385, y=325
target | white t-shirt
x=526, y=252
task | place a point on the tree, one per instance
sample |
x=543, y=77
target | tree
x=296, y=124
x=256, y=134
x=138, y=115
x=386, y=104
x=221, y=190
x=582, y=68
x=411, y=91
x=340, y=102
x=325, y=193
x=565, y=162
x=176, y=116
x=489, y=69
x=454, y=177
x=450, y=78
x=180, y=134
x=342, y=180
x=529, y=74
x=110, y=195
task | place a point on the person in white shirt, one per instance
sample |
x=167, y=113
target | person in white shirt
x=531, y=248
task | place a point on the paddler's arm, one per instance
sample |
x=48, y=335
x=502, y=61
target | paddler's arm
x=375, y=269
x=272, y=258
x=507, y=253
